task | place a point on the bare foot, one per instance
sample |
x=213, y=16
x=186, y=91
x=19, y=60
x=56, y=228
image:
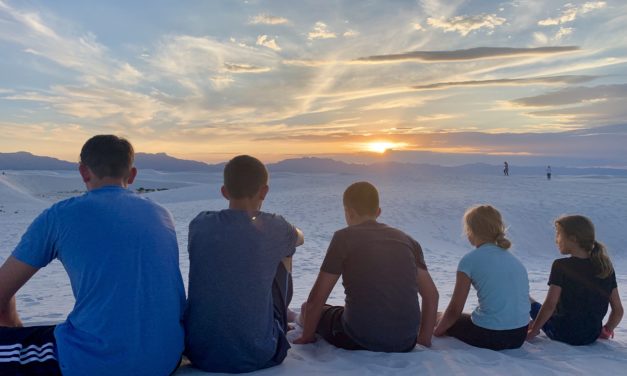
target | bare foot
x=291, y=315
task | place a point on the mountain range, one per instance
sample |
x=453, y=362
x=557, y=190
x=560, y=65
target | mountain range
x=167, y=163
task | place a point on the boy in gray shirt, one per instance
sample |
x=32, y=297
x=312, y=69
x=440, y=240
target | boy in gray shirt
x=383, y=272
x=239, y=278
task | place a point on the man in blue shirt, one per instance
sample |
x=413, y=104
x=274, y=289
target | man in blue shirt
x=239, y=280
x=121, y=255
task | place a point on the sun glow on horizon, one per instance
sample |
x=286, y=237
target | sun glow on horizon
x=383, y=146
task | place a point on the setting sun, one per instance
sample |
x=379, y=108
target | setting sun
x=383, y=146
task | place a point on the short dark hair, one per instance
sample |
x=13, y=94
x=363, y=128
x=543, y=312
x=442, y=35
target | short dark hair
x=108, y=156
x=362, y=197
x=244, y=176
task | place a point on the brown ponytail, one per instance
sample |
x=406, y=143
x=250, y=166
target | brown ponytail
x=582, y=230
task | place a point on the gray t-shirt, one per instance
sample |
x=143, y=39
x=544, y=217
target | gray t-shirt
x=229, y=320
x=378, y=265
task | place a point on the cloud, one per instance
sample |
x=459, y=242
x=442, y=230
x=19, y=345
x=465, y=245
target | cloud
x=466, y=24
x=199, y=64
x=574, y=95
x=394, y=104
x=540, y=38
x=221, y=82
x=266, y=41
x=570, y=79
x=244, y=68
x=571, y=12
x=562, y=32
x=80, y=53
x=467, y=54
x=308, y=63
x=267, y=19
x=350, y=33
x=320, y=31
x=417, y=26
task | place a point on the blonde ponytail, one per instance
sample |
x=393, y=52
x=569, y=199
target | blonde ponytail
x=503, y=242
x=484, y=222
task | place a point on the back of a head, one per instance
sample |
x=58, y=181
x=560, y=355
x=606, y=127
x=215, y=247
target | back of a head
x=108, y=156
x=484, y=222
x=362, y=197
x=244, y=176
x=581, y=229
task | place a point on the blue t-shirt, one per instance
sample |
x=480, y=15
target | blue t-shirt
x=502, y=287
x=121, y=254
x=233, y=259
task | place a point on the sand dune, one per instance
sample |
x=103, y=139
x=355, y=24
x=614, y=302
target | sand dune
x=428, y=208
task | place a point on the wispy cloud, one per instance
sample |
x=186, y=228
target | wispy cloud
x=245, y=68
x=467, y=54
x=571, y=12
x=574, y=95
x=321, y=31
x=266, y=41
x=562, y=32
x=464, y=25
x=417, y=26
x=267, y=19
x=97, y=103
x=394, y=104
x=510, y=81
x=81, y=53
x=199, y=63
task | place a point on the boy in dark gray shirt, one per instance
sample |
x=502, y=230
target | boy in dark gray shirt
x=383, y=272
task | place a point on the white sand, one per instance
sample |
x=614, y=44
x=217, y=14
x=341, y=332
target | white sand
x=428, y=208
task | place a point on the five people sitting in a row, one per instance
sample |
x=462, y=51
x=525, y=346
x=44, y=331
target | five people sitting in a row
x=131, y=317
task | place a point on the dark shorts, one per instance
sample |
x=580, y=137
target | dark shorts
x=330, y=328
x=548, y=328
x=282, y=291
x=465, y=330
x=575, y=335
x=29, y=351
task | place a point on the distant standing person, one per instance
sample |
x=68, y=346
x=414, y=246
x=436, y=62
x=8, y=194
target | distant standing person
x=548, y=172
x=505, y=169
x=121, y=255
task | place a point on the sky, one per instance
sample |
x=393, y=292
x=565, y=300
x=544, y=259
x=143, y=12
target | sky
x=208, y=80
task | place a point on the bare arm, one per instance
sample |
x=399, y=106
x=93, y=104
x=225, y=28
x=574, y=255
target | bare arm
x=312, y=309
x=548, y=307
x=300, y=237
x=300, y=240
x=456, y=306
x=617, y=311
x=429, y=294
x=13, y=275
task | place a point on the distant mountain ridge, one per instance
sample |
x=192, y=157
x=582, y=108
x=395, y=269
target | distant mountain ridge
x=161, y=161
x=164, y=162
x=26, y=161
x=167, y=163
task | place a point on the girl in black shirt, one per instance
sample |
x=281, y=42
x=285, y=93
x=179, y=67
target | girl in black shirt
x=580, y=288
